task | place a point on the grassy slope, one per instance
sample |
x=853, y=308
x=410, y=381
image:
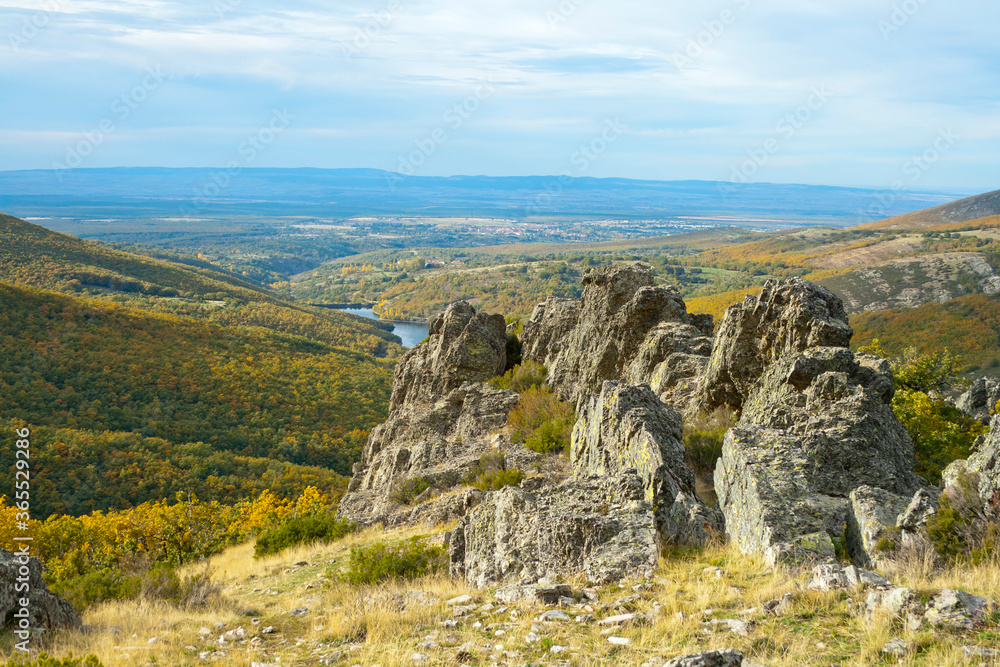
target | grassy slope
x=369, y=626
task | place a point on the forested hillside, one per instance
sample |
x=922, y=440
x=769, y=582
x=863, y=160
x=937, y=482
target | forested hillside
x=36, y=257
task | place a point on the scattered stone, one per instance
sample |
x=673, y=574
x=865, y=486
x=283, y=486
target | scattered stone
x=418, y=657
x=532, y=593
x=981, y=652
x=741, y=628
x=299, y=611
x=721, y=658
x=591, y=594
x=552, y=615
x=830, y=577
x=267, y=630
x=620, y=641
x=957, y=609
x=620, y=619
x=898, y=648
x=558, y=649
x=461, y=599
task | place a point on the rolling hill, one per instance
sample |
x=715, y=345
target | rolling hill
x=961, y=211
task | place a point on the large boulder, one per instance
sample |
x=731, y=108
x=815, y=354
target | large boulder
x=602, y=527
x=788, y=317
x=980, y=399
x=616, y=334
x=463, y=346
x=627, y=428
x=815, y=426
x=45, y=610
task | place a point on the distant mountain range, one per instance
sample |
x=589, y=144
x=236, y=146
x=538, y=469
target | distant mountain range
x=145, y=192
x=965, y=210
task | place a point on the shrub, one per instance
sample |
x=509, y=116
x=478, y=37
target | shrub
x=703, y=438
x=492, y=473
x=384, y=561
x=301, y=530
x=961, y=528
x=405, y=491
x=522, y=377
x=541, y=422
x=157, y=582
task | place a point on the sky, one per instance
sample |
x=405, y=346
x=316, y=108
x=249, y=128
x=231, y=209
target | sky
x=869, y=93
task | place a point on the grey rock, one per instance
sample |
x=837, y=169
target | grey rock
x=982, y=470
x=980, y=399
x=616, y=334
x=601, y=527
x=787, y=318
x=554, y=615
x=533, y=593
x=918, y=512
x=815, y=426
x=627, y=428
x=871, y=518
x=832, y=577
x=898, y=648
x=957, y=609
x=463, y=346
x=981, y=652
x=896, y=601
x=46, y=610
x=618, y=620
x=720, y=658
x=439, y=441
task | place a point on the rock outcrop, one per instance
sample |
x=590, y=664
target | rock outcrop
x=982, y=470
x=46, y=610
x=463, y=346
x=628, y=429
x=980, y=399
x=602, y=527
x=442, y=419
x=787, y=318
x=815, y=426
x=622, y=329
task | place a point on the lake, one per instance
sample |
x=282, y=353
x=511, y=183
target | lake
x=410, y=332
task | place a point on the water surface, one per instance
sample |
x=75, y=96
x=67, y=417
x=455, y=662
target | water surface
x=410, y=332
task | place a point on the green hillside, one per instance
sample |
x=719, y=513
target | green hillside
x=81, y=364
x=33, y=256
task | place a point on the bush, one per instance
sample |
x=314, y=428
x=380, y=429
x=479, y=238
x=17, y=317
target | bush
x=492, y=473
x=941, y=432
x=44, y=660
x=522, y=377
x=158, y=582
x=384, y=561
x=703, y=438
x=541, y=422
x=961, y=528
x=301, y=530
x=405, y=491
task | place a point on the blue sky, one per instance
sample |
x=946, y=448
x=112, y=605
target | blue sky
x=847, y=92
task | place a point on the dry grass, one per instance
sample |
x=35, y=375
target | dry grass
x=386, y=624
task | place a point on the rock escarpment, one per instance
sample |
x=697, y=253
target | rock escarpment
x=623, y=328
x=46, y=610
x=980, y=399
x=981, y=471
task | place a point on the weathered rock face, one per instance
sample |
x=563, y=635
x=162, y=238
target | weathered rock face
x=602, y=527
x=873, y=513
x=463, y=346
x=980, y=399
x=439, y=442
x=614, y=333
x=628, y=429
x=815, y=427
x=982, y=469
x=442, y=419
x=788, y=317
x=46, y=610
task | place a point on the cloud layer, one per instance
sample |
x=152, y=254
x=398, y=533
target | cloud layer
x=847, y=93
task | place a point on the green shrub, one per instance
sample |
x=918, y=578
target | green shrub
x=301, y=530
x=703, y=438
x=158, y=582
x=492, y=473
x=541, y=422
x=385, y=561
x=961, y=529
x=98, y=586
x=45, y=660
x=522, y=377
x=405, y=491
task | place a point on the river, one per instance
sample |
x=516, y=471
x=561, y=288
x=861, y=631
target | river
x=410, y=332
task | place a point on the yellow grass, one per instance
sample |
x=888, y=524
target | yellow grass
x=385, y=624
